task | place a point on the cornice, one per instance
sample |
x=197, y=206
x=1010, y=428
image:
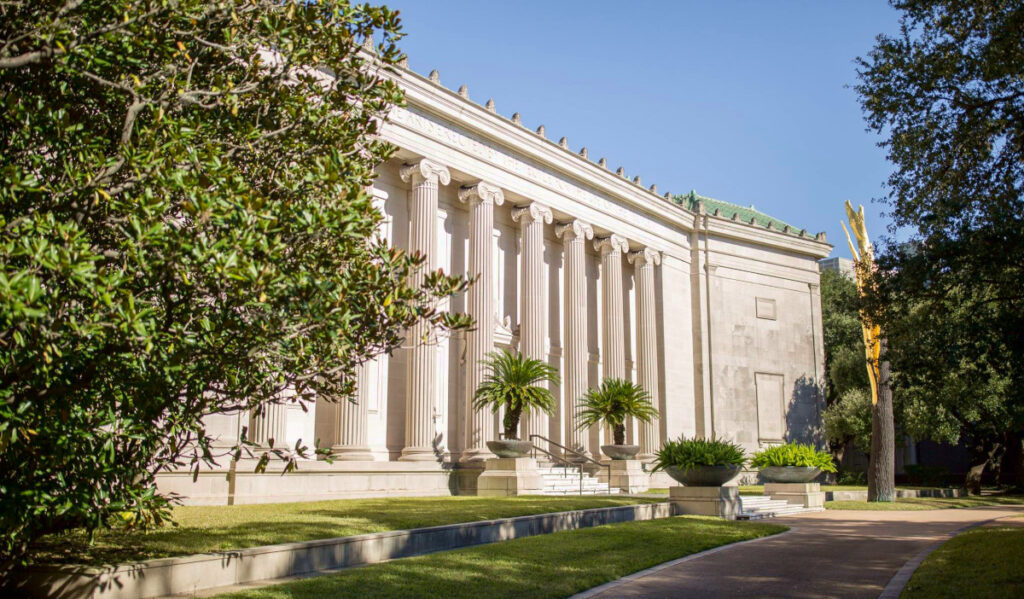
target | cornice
x=430, y=96
x=739, y=230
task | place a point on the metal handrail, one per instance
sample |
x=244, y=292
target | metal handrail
x=575, y=453
x=560, y=459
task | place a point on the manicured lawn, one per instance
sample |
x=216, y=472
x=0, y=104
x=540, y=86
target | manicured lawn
x=927, y=503
x=217, y=528
x=759, y=489
x=544, y=566
x=981, y=563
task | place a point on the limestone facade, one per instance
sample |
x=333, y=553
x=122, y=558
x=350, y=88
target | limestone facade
x=719, y=318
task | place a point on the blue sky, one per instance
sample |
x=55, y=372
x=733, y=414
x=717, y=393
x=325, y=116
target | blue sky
x=746, y=102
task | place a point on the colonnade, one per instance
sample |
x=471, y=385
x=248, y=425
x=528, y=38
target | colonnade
x=425, y=177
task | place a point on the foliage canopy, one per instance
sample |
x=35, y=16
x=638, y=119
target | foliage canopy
x=948, y=96
x=186, y=230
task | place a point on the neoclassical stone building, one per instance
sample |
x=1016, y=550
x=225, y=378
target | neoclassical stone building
x=713, y=307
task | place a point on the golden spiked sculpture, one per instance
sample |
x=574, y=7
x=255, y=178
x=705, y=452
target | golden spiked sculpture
x=865, y=266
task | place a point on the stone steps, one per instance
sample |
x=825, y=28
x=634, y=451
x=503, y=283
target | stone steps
x=566, y=481
x=754, y=507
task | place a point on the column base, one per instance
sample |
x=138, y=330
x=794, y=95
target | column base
x=418, y=454
x=805, y=494
x=351, y=453
x=505, y=477
x=723, y=502
x=626, y=475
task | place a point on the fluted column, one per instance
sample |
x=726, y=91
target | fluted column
x=644, y=262
x=422, y=357
x=271, y=424
x=575, y=380
x=533, y=306
x=351, y=417
x=613, y=348
x=351, y=424
x=480, y=424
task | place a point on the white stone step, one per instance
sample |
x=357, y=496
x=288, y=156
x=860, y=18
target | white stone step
x=760, y=507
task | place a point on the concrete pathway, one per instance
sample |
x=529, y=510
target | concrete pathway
x=827, y=554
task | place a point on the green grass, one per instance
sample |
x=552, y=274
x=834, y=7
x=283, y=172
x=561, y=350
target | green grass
x=981, y=563
x=218, y=528
x=759, y=489
x=544, y=566
x=927, y=503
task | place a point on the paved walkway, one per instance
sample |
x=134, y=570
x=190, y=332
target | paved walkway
x=828, y=554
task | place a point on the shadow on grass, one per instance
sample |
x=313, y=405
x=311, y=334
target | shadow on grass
x=554, y=565
x=222, y=528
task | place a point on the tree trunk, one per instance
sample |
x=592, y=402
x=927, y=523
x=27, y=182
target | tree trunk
x=512, y=423
x=882, y=462
x=620, y=434
x=980, y=456
x=1012, y=472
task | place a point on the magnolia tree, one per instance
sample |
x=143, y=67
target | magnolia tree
x=186, y=230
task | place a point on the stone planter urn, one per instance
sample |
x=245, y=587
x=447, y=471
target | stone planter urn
x=620, y=452
x=510, y=448
x=704, y=476
x=790, y=474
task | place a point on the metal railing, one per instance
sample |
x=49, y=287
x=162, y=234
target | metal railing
x=569, y=463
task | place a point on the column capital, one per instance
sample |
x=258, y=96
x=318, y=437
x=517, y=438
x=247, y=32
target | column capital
x=574, y=229
x=482, y=192
x=612, y=243
x=532, y=212
x=426, y=170
x=645, y=256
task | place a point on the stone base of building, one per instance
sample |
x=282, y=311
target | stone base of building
x=805, y=494
x=723, y=502
x=314, y=480
x=626, y=475
x=503, y=477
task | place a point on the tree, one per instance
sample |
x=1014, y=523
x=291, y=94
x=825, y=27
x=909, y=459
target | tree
x=948, y=388
x=947, y=94
x=612, y=403
x=185, y=231
x=517, y=384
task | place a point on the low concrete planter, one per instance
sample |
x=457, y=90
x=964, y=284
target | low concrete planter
x=790, y=474
x=620, y=452
x=704, y=476
x=193, y=573
x=510, y=448
x=901, y=493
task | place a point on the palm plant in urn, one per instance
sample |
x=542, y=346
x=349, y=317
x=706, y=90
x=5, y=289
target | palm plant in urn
x=612, y=403
x=519, y=385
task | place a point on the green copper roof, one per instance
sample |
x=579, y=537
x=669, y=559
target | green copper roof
x=743, y=213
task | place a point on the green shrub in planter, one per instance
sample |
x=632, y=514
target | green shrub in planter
x=793, y=454
x=686, y=454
